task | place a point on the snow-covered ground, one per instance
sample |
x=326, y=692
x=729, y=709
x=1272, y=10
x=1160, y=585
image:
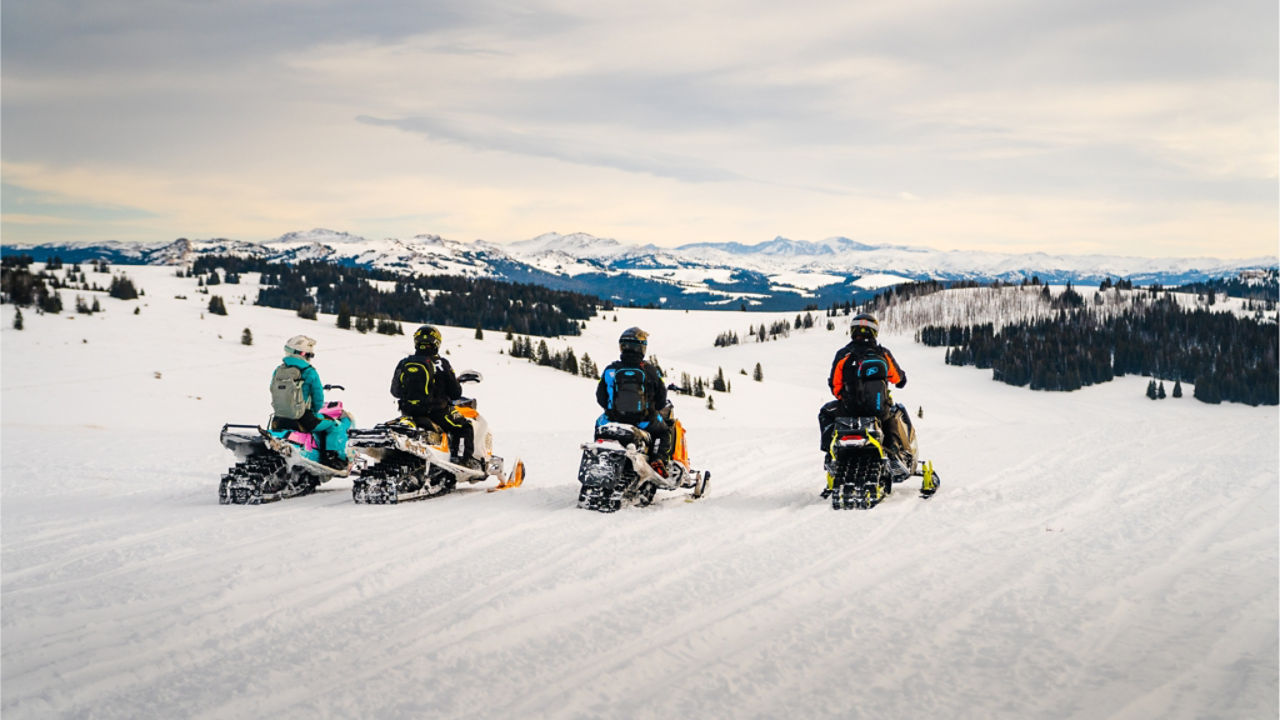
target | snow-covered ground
x=1090, y=555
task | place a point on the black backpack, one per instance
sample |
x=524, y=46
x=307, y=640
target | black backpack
x=629, y=401
x=415, y=383
x=866, y=383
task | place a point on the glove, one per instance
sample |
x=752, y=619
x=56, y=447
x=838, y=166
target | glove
x=901, y=383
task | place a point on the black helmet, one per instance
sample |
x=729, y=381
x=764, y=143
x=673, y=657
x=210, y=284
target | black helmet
x=633, y=340
x=427, y=339
x=865, y=327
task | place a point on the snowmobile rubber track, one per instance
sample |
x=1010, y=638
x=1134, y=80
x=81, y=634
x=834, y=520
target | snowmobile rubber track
x=600, y=499
x=260, y=479
x=391, y=482
x=860, y=485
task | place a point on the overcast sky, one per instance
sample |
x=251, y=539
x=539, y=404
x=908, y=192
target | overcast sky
x=1145, y=127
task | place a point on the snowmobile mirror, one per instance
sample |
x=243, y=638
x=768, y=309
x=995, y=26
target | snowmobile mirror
x=470, y=376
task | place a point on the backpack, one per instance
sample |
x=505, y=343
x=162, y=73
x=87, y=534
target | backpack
x=415, y=381
x=287, y=397
x=629, y=402
x=866, y=383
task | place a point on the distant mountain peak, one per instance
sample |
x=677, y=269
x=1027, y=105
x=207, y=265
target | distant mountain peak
x=579, y=243
x=781, y=246
x=320, y=236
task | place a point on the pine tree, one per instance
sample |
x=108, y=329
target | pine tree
x=920, y=412
x=344, y=316
x=1177, y=388
x=1151, y=389
x=479, y=332
x=96, y=307
x=122, y=288
x=1160, y=391
x=758, y=373
x=717, y=384
x=711, y=402
x=587, y=368
x=246, y=337
x=17, y=320
x=217, y=306
x=306, y=311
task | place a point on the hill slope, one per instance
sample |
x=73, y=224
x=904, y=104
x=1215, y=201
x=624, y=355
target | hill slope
x=1091, y=554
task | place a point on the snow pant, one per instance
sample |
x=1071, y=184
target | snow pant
x=330, y=434
x=894, y=424
x=451, y=422
x=333, y=435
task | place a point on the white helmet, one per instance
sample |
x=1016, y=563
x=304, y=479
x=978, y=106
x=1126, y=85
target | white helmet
x=301, y=345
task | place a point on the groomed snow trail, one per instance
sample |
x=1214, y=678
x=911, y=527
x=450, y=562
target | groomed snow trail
x=1090, y=554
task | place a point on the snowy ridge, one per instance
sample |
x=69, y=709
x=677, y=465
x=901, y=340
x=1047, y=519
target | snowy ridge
x=1090, y=554
x=789, y=274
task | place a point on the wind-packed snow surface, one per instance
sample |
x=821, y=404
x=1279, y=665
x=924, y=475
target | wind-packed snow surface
x=1090, y=555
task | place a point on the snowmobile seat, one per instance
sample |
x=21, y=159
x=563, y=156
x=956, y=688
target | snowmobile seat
x=623, y=433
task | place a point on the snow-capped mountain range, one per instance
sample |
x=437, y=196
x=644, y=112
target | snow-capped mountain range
x=780, y=274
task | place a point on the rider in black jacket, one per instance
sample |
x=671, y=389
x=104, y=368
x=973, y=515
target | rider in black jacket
x=425, y=386
x=632, y=345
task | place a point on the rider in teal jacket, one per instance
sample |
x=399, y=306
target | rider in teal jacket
x=299, y=350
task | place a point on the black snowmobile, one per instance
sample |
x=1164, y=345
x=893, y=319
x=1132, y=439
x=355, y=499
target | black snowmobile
x=615, y=468
x=860, y=472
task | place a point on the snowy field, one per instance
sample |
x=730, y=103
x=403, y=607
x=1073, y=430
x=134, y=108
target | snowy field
x=1089, y=555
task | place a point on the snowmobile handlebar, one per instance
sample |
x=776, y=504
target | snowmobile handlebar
x=334, y=387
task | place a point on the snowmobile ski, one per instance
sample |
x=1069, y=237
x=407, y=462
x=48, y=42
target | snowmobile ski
x=514, y=480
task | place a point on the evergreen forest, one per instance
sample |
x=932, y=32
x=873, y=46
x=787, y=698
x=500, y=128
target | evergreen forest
x=350, y=291
x=1227, y=357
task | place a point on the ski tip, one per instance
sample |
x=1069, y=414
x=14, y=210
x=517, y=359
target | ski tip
x=516, y=479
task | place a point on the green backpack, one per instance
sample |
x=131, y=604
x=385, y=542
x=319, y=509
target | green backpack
x=287, y=397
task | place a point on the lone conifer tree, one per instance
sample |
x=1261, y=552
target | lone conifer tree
x=1177, y=388
x=1151, y=389
x=246, y=337
x=17, y=320
x=758, y=373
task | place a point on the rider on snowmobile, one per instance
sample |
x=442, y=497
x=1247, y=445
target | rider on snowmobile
x=632, y=345
x=864, y=344
x=299, y=351
x=425, y=387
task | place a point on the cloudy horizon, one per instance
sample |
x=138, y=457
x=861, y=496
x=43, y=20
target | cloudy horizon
x=1071, y=128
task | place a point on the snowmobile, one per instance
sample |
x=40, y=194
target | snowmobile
x=860, y=473
x=615, y=468
x=400, y=461
x=275, y=464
